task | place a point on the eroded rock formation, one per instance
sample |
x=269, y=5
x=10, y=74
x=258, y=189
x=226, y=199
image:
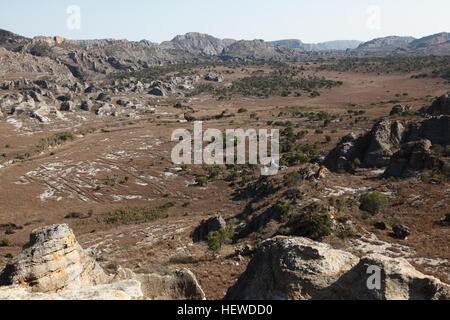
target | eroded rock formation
x=55, y=267
x=301, y=269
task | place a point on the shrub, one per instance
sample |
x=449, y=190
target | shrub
x=218, y=238
x=281, y=210
x=373, y=202
x=136, y=215
x=5, y=243
x=242, y=110
x=202, y=181
x=292, y=179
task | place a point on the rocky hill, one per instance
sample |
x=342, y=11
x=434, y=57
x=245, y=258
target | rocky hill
x=198, y=43
x=259, y=50
x=437, y=44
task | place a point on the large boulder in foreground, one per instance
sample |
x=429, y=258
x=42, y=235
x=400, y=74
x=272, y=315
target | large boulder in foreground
x=291, y=269
x=300, y=269
x=55, y=267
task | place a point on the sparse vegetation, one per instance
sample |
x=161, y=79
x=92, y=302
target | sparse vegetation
x=5, y=243
x=54, y=140
x=217, y=239
x=136, y=215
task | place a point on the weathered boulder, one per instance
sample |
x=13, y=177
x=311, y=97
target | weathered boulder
x=103, y=97
x=399, y=281
x=105, y=110
x=374, y=149
x=339, y=159
x=300, y=269
x=53, y=261
x=122, y=290
x=158, y=91
x=399, y=109
x=291, y=269
x=213, y=224
x=86, y=105
x=213, y=76
x=440, y=106
x=435, y=129
x=182, y=285
x=385, y=139
x=401, y=232
x=55, y=267
x=67, y=106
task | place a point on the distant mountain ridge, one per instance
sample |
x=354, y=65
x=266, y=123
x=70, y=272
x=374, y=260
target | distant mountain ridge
x=437, y=44
x=323, y=46
x=103, y=56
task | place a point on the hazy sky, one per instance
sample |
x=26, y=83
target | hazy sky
x=159, y=20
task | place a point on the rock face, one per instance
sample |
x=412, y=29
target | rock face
x=385, y=139
x=291, y=269
x=55, y=267
x=441, y=106
x=53, y=261
x=399, y=109
x=213, y=76
x=198, y=43
x=300, y=269
x=398, y=145
x=339, y=159
x=207, y=226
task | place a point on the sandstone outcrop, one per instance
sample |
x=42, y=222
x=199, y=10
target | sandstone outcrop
x=213, y=224
x=55, y=267
x=398, y=145
x=413, y=158
x=300, y=269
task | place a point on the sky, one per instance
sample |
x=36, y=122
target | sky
x=311, y=21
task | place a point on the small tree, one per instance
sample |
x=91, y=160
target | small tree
x=218, y=238
x=373, y=202
x=313, y=226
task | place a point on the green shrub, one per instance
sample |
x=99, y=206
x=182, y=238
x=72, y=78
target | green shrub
x=202, y=181
x=218, y=238
x=136, y=215
x=281, y=210
x=5, y=243
x=292, y=179
x=373, y=202
x=312, y=226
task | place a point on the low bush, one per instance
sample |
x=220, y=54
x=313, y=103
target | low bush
x=373, y=202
